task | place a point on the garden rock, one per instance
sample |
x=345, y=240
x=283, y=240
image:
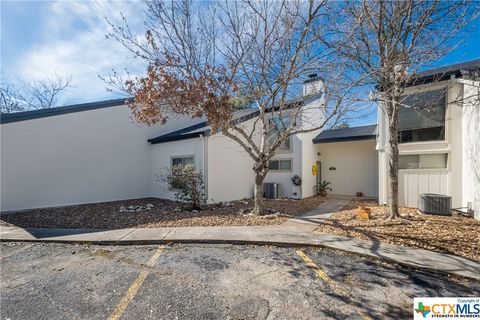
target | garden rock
x=137, y=208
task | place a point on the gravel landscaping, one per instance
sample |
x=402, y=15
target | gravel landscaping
x=154, y=213
x=448, y=234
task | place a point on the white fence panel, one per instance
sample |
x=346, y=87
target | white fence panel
x=412, y=183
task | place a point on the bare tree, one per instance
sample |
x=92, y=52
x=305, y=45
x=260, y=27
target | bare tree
x=34, y=95
x=9, y=101
x=43, y=94
x=389, y=42
x=207, y=59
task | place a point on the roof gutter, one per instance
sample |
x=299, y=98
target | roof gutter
x=345, y=139
x=175, y=138
x=43, y=113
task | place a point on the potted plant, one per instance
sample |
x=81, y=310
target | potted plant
x=323, y=187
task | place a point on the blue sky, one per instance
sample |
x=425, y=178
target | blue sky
x=42, y=38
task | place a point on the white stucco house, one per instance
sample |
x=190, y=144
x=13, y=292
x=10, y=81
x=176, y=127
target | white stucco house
x=439, y=144
x=94, y=152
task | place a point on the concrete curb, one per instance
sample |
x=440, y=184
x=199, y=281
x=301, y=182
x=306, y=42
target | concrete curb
x=283, y=236
x=248, y=242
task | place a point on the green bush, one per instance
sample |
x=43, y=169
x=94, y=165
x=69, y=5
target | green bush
x=187, y=183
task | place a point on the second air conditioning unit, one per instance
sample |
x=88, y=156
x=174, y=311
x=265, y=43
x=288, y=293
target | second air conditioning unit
x=435, y=204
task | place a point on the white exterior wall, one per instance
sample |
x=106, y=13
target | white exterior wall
x=161, y=159
x=312, y=117
x=444, y=181
x=414, y=182
x=454, y=143
x=382, y=177
x=309, y=158
x=303, y=153
x=230, y=170
x=471, y=147
x=382, y=148
x=102, y=155
x=462, y=135
x=356, y=167
x=284, y=178
x=82, y=157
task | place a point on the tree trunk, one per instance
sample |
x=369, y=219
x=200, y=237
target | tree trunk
x=259, y=208
x=393, y=162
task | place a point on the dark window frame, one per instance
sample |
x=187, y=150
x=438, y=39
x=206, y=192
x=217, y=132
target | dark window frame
x=277, y=167
x=173, y=158
x=431, y=132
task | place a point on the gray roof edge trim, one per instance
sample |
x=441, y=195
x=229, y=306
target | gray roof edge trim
x=37, y=114
x=344, y=139
x=164, y=139
x=443, y=73
x=182, y=134
x=350, y=128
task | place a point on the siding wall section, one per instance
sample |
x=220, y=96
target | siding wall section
x=230, y=170
x=471, y=147
x=414, y=182
x=461, y=178
x=83, y=157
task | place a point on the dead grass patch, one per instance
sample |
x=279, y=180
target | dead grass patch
x=448, y=234
x=164, y=213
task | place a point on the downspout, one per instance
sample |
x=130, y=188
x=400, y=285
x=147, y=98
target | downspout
x=205, y=166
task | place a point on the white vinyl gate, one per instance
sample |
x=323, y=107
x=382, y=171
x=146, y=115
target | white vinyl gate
x=412, y=183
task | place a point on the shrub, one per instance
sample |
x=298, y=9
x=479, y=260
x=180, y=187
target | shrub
x=187, y=183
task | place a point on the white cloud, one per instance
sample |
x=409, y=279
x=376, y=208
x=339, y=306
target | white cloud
x=75, y=44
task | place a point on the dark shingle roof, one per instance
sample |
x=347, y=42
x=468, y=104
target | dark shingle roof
x=347, y=134
x=186, y=133
x=35, y=114
x=203, y=127
x=445, y=72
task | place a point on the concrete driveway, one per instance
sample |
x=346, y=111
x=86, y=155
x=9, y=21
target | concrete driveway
x=57, y=281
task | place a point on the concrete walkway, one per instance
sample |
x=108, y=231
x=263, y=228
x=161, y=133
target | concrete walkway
x=296, y=232
x=320, y=213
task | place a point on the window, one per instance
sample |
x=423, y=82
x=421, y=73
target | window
x=275, y=129
x=287, y=145
x=280, y=165
x=423, y=161
x=422, y=117
x=182, y=160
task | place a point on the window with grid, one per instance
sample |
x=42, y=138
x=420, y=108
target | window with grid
x=423, y=161
x=182, y=160
x=280, y=165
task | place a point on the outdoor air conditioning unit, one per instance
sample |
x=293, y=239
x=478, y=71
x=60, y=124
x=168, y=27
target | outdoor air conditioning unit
x=435, y=204
x=270, y=190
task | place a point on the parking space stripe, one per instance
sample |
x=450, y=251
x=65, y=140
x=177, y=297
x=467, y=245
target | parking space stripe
x=133, y=290
x=322, y=275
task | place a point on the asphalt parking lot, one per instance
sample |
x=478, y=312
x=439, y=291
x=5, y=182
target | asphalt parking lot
x=57, y=281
